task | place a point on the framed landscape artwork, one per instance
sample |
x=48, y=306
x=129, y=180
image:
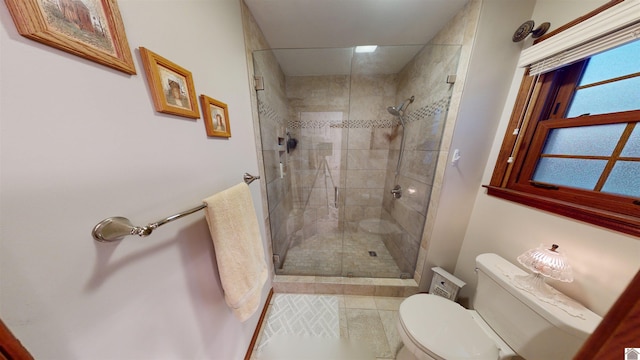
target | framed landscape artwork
x=91, y=29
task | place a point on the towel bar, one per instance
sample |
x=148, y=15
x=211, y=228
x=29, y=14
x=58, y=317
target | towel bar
x=117, y=227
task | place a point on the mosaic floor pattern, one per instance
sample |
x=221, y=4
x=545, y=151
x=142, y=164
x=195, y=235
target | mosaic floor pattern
x=329, y=327
x=301, y=315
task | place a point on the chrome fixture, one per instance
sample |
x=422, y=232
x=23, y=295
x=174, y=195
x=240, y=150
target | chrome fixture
x=117, y=227
x=248, y=178
x=400, y=109
x=396, y=192
x=399, y=112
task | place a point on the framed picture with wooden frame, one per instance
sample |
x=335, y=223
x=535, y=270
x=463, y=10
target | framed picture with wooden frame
x=216, y=117
x=171, y=86
x=92, y=29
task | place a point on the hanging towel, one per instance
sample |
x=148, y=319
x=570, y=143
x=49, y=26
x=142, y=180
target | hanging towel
x=238, y=246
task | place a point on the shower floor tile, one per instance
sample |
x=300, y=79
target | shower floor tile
x=337, y=255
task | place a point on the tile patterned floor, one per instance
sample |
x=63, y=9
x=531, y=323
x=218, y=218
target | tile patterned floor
x=301, y=315
x=367, y=328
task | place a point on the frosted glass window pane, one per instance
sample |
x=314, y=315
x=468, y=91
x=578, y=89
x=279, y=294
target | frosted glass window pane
x=624, y=179
x=577, y=173
x=623, y=60
x=617, y=96
x=632, y=148
x=585, y=140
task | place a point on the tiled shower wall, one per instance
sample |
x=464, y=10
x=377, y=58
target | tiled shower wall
x=344, y=134
x=317, y=104
x=273, y=111
x=425, y=78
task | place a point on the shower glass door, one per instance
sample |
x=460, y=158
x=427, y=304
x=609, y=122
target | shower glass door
x=303, y=150
x=317, y=169
x=330, y=152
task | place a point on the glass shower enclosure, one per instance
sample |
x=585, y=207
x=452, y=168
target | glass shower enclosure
x=332, y=156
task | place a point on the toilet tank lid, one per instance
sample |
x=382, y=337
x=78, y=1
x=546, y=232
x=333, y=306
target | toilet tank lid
x=562, y=311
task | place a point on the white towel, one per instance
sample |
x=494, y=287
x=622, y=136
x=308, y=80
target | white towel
x=238, y=246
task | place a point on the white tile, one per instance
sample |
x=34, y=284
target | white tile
x=366, y=321
x=365, y=326
x=359, y=302
x=389, y=321
x=314, y=316
x=388, y=303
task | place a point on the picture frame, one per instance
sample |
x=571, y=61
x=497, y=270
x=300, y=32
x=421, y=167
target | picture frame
x=171, y=86
x=91, y=29
x=216, y=117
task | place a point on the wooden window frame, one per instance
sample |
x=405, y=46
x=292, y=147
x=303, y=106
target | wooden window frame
x=10, y=347
x=541, y=102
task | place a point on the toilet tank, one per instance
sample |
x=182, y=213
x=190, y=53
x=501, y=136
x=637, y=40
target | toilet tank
x=534, y=327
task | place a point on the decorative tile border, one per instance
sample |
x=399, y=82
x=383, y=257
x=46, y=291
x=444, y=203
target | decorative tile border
x=348, y=124
x=422, y=113
x=433, y=109
x=267, y=112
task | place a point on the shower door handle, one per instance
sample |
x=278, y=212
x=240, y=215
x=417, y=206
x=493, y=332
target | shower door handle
x=335, y=196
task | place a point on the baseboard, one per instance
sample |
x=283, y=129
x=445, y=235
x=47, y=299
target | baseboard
x=256, y=332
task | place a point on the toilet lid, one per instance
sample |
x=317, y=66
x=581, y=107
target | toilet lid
x=445, y=329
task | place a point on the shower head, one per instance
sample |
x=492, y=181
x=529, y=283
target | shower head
x=393, y=111
x=400, y=109
x=397, y=111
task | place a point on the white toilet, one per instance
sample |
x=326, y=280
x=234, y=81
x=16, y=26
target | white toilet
x=506, y=322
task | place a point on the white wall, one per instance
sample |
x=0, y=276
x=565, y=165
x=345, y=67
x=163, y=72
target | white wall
x=81, y=142
x=603, y=261
x=485, y=87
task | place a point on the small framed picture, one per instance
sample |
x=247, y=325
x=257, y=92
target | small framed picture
x=91, y=29
x=216, y=117
x=171, y=86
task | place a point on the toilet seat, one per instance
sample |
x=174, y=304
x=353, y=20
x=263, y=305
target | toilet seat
x=443, y=330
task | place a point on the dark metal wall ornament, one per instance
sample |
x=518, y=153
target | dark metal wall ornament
x=527, y=28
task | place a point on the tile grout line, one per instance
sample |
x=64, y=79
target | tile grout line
x=386, y=334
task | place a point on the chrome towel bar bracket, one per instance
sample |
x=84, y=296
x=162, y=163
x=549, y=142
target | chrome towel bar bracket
x=248, y=178
x=117, y=227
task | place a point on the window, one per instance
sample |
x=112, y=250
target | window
x=573, y=145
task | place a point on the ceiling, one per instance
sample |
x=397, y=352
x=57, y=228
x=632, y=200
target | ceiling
x=334, y=24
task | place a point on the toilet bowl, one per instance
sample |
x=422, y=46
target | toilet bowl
x=432, y=327
x=506, y=321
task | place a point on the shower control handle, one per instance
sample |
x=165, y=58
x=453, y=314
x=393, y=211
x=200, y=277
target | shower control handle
x=396, y=192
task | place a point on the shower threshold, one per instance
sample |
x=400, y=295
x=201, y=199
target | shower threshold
x=344, y=286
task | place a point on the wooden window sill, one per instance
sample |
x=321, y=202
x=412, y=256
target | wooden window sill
x=626, y=224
